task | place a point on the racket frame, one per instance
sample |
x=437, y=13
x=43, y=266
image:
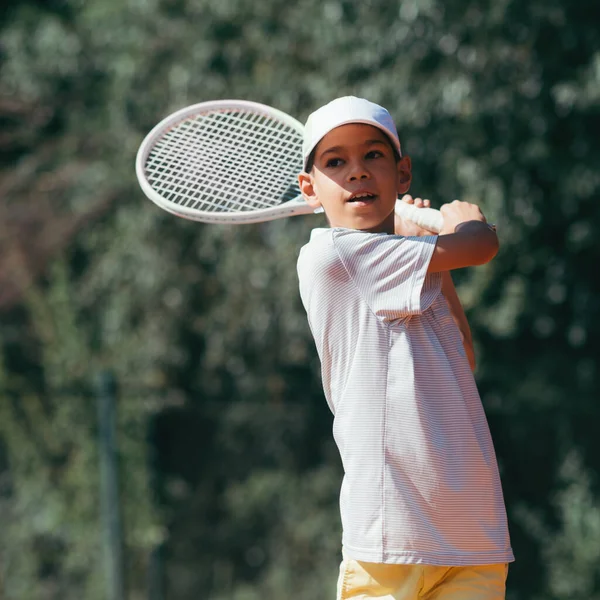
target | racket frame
x=296, y=206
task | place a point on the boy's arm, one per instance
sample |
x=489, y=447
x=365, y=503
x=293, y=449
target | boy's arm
x=466, y=239
x=458, y=314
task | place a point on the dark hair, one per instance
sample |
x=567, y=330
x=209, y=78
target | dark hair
x=310, y=161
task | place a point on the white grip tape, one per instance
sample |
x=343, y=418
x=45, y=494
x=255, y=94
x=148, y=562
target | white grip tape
x=428, y=218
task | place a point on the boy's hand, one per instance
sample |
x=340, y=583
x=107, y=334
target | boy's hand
x=407, y=228
x=458, y=212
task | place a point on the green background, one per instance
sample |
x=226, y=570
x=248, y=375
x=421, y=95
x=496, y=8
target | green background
x=227, y=470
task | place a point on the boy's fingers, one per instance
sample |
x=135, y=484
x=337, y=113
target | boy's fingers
x=418, y=202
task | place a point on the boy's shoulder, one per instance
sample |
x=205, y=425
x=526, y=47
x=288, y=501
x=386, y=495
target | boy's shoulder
x=330, y=250
x=372, y=257
x=323, y=244
x=319, y=248
x=322, y=266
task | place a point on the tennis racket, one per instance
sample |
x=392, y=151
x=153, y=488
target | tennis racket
x=233, y=161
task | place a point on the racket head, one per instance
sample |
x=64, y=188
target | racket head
x=224, y=161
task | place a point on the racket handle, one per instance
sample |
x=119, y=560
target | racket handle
x=428, y=218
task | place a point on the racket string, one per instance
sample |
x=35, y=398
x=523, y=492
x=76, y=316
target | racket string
x=213, y=158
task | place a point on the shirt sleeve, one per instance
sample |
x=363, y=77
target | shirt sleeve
x=390, y=271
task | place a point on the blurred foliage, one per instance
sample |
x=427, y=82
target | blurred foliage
x=226, y=455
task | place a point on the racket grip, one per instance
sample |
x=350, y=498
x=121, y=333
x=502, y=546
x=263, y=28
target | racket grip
x=428, y=218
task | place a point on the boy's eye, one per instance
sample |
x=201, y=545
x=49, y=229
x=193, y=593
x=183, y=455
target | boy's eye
x=333, y=162
x=374, y=154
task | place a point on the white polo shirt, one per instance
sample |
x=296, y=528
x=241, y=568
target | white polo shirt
x=421, y=483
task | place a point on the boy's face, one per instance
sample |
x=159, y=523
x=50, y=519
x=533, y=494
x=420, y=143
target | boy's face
x=356, y=178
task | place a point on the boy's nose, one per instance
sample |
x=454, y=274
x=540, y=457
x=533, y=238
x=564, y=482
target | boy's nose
x=358, y=171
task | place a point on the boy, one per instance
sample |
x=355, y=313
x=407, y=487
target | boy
x=421, y=502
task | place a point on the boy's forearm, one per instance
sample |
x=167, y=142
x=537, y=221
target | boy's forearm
x=472, y=243
x=458, y=314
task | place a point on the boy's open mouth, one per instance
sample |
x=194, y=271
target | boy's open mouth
x=362, y=197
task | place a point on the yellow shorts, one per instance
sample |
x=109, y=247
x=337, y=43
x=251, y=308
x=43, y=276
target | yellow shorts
x=363, y=581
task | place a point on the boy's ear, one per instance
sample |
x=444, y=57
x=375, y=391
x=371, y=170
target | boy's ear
x=404, y=167
x=307, y=187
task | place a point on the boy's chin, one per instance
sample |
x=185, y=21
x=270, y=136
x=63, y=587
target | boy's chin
x=377, y=224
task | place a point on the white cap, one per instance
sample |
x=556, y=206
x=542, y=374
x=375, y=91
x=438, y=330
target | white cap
x=342, y=111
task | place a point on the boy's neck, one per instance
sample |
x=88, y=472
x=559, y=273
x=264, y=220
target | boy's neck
x=386, y=226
